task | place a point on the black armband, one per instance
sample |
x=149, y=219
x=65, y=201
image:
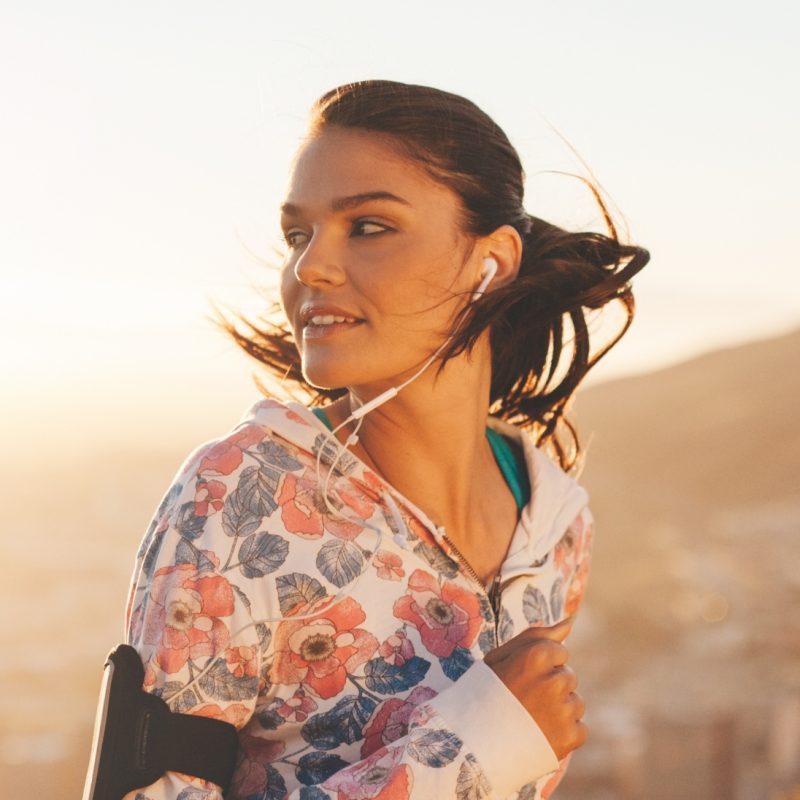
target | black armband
x=137, y=738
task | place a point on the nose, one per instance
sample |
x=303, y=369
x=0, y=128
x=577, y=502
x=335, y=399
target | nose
x=319, y=262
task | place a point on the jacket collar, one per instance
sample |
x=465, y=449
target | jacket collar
x=556, y=497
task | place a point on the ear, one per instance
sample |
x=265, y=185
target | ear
x=504, y=245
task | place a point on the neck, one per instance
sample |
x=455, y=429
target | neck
x=429, y=442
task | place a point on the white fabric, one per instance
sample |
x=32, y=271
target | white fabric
x=495, y=726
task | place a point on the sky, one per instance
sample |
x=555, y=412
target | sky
x=144, y=149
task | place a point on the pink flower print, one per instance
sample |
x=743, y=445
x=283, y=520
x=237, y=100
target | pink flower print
x=242, y=661
x=577, y=587
x=389, y=565
x=297, y=707
x=251, y=777
x=381, y=776
x=208, y=495
x=318, y=652
x=390, y=720
x=183, y=618
x=571, y=546
x=295, y=417
x=397, y=649
x=303, y=511
x=225, y=456
x=446, y=615
x=371, y=485
x=357, y=501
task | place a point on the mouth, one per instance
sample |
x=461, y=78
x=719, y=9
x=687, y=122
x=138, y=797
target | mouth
x=321, y=325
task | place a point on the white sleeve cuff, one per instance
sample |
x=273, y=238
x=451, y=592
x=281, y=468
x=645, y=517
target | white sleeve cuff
x=497, y=728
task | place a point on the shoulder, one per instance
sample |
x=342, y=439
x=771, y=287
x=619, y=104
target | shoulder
x=266, y=419
x=269, y=439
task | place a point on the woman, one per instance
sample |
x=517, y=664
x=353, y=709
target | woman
x=376, y=592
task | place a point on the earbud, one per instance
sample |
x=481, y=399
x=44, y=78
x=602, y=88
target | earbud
x=489, y=271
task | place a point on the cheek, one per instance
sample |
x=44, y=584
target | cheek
x=289, y=287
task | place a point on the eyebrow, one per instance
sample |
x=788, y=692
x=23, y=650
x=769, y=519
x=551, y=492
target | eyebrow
x=351, y=201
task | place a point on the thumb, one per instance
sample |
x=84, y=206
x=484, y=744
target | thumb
x=557, y=632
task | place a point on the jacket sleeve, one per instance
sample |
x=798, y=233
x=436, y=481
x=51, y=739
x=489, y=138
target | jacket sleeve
x=190, y=621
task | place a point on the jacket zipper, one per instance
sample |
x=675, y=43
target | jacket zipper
x=493, y=593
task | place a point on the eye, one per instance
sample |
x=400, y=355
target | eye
x=294, y=237
x=368, y=227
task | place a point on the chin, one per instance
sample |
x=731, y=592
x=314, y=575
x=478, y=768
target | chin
x=339, y=374
x=328, y=375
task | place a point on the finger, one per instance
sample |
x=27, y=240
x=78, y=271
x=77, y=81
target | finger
x=547, y=656
x=578, y=705
x=556, y=633
x=568, y=678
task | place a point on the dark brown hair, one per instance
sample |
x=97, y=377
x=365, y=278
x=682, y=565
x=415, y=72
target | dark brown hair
x=562, y=274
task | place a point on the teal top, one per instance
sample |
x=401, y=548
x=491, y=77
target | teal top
x=516, y=474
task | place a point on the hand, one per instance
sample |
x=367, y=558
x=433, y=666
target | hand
x=532, y=665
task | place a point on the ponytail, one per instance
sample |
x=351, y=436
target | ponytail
x=562, y=276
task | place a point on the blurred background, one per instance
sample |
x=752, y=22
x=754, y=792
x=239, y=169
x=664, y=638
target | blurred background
x=143, y=153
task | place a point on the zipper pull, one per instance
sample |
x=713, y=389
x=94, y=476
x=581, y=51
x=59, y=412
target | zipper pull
x=494, y=594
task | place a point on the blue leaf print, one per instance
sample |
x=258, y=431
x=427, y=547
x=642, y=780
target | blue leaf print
x=557, y=598
x=172, y=494
x=191, y=794
x=387, y=678
x=187, y=553
x=505, y=627
x=457, y=663
x=151, y=554
x=528, y=791
x=314, y=768
x=220, y=683
x=264, y=636
x=343, y=723
x=275, y=788
x=262, y=554
x=237, y=519
x=241, y=596
x=297, y=587
x=437, y=559
x=269, y=452
x=330, y=452
x=486, y=641
x=188, y=524
x=252, y=500
x=168, y=689
x=313, y=793
x=340, y=561
x=184, y=701
x=472, y=783
x=269, y=718
x=485, y=607
x=534, y=606
x=433, y=748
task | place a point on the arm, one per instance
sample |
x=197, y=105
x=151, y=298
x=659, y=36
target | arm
x=189, y=621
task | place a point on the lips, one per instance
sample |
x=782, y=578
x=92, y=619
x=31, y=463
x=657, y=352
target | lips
x=320, y=320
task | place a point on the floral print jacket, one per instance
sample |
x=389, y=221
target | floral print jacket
x=350, y=661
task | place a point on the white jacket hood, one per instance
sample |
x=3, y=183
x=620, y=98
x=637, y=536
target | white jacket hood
x=556, y=497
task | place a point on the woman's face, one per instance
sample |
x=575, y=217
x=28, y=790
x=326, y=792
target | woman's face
x=373, y=239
